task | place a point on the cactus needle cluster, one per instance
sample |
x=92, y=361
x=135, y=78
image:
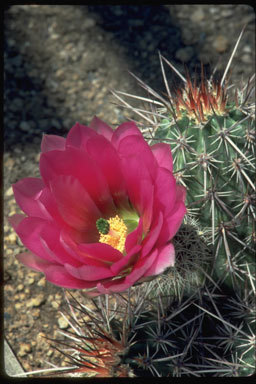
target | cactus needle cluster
x=198, y=318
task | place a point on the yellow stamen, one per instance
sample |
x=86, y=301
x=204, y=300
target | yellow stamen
x=117, y=234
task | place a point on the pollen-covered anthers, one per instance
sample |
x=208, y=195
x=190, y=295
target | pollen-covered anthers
x=112, y=232
x=199, y=102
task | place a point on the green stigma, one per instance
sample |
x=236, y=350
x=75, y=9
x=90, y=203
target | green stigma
x=102, y=226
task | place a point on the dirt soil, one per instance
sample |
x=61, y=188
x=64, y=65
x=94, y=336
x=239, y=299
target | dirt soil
x=60, y=63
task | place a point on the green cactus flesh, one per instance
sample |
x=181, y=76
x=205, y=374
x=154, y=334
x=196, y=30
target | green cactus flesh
x=214, y=160
x=198, y=317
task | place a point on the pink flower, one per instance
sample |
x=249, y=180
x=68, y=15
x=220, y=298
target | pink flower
x=104, y=211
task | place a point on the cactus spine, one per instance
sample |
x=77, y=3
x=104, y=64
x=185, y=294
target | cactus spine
x=212, y=137
x=198, y=318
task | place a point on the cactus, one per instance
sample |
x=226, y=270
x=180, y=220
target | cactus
x=212, y=138
x=198, y=317
x=132, y=334
x=172, y=326
x=214, y=159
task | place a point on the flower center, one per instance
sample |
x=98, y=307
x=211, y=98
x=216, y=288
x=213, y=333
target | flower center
x=112, y=232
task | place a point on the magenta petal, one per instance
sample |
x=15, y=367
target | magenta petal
x=29, y=230
x=172, y=223
x=50, y=240
x=165, y=195
x=27, y=192
x=73, y=250
x=127, y=260
x=92, y=293
x=101, y=251
x=141, y=267
x=110, y=166
x=52, y=142
x=79, y=135
x=181, y=193
x=74, y=204
x=136, y=146
x=121, y=284
x=125, y=130
x=102, y=128
x=145, y=203
x=118, y=285
x=163, y=155
x=152, y=236
x=165, y=259
x=77, y=163
x=134, y=237
x=60, y=277
x=89, y=272
x=134, y=172
x=32, y=261
x=140, y=188
x=49, y=206
x=15, y=220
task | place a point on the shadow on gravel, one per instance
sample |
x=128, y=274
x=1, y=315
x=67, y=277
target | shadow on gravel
x=140, y=31
x=26, y=111
x=143, y=31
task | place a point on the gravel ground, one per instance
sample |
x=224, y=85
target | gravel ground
x=60, y=63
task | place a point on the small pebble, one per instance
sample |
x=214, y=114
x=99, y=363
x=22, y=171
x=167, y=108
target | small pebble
x=63, y=324
x=12, y=238
x=58, y=296
x=227, y=13
x=36, y=313
x=197, y=16
x=247, y=49
x=55, y=305
x=12, y=212
x=37, y=157
x=185, y=54
x=188, y=36
x=9, y=163
x=30, y=280
x=40, y=337
x=24, y=126
x=213, y=10
x=54, y=36
x=24, y=349
x=220, y=44
x=36, y=301
x=26, y=366
x=9, y=192
x=41, y=282
x=18, y=306
x=20, y=287
x=246, y=59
